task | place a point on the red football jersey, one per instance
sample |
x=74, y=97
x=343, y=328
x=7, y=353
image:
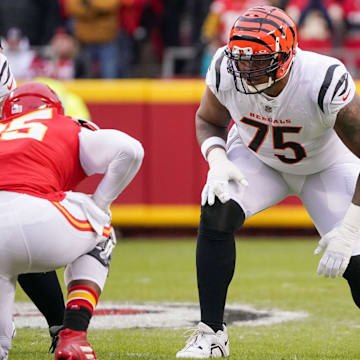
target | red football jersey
x=39, y=154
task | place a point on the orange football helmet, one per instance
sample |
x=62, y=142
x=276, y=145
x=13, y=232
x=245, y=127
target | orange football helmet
x=261, y=48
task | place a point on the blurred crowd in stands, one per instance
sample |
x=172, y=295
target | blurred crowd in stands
x=66, y=39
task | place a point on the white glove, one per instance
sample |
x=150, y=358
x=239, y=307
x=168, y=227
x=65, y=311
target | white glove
x=109, y=245
x=338, y=244
x=222, y=170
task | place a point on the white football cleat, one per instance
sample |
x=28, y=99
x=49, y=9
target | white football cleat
x=204, y=343
x=13, y=330
x=3, y=354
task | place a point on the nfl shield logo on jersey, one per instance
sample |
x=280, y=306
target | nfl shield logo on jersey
x=268, y=108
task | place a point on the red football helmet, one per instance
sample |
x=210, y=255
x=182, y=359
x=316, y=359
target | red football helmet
x=261, y=48
x=30, y=96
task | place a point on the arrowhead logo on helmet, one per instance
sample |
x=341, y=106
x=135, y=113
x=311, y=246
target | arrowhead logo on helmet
x=30, y=96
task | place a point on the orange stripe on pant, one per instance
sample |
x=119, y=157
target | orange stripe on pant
x=82, y=225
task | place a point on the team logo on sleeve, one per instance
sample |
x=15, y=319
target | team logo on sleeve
x=342, y=89
x=11, y=84
x=346, y=96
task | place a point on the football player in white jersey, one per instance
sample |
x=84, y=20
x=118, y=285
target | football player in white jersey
x=7, y=79
x=296, y=131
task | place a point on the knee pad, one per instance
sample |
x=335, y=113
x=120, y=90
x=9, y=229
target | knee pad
x=102, y=252
x=352, y=275
x=220, y=217
x=352, y=272
x=86, y=267
x=94, y=265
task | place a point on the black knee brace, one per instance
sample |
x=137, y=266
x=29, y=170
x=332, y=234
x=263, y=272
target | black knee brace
x=103, y=251
x=352, y=275
x=221, y=217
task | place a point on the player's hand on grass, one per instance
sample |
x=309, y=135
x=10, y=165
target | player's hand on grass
x=222, y=170
x=338, y=245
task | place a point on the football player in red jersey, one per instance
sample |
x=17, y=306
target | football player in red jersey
x=44, y=225
x=296, y=132
x=42, y=288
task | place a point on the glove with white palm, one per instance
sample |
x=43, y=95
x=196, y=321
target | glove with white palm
x=222, y=170
x=338, y=244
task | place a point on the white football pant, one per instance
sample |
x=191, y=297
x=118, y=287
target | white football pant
x=326, y=195
x=37, y=237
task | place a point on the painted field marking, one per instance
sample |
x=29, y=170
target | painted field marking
x=116, y=315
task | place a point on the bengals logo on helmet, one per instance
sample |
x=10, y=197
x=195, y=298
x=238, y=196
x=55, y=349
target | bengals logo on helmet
x=272, y=37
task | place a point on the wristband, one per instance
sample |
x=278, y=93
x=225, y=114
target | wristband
x=211, y=141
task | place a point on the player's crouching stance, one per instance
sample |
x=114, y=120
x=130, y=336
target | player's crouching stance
x=43, y=225
x=42, y=288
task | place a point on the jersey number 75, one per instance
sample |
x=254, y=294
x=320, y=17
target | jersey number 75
x=278, y=140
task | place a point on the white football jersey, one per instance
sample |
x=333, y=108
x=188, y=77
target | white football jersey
x=292, y=132
x=7, y=80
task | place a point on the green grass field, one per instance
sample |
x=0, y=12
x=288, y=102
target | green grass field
x=269, y=274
